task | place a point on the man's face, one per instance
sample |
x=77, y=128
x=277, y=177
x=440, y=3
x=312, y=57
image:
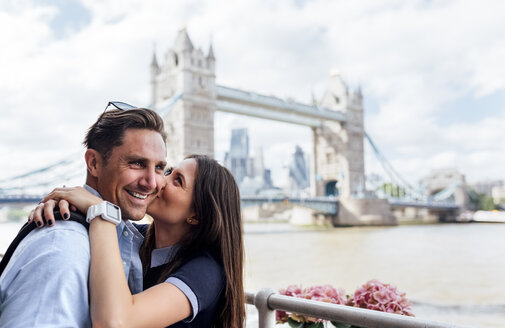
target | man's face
x=133, y=173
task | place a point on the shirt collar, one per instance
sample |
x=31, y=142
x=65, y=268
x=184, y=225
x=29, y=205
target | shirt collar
x=163, y=255
x=91, y=190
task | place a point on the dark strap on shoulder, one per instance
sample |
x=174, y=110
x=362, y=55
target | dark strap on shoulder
x=27, y=228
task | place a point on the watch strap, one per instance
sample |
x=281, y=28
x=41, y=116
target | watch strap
x=106, y=210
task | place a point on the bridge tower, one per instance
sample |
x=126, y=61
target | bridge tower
x=448, y=178
x=186, y=71
x=339, y=166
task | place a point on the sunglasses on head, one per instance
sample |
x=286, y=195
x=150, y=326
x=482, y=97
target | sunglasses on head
x=119, y=105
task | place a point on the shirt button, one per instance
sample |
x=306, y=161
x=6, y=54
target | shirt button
x=124, y=263
x=125, y=233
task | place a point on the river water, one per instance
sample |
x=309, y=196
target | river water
x=453, y=273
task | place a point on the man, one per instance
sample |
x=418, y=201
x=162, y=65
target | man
x=45, y=283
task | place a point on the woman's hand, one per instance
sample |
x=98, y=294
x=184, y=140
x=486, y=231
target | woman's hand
x=45, y=210
x=78, y=197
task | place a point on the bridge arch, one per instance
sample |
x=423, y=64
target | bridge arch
x=331, y=188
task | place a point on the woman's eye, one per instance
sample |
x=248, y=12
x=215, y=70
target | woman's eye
x=168, y=172
x=179, y=180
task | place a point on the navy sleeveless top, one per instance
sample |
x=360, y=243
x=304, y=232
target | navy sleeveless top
x=204, y=275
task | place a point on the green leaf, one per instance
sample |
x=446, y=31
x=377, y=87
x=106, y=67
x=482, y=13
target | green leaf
x=295, y=324
x=315, y=325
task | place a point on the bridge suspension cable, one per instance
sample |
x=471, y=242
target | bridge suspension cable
x=40, y=180
x=397, y=179
x=165, y=108
x=65, y=161
x=391, y=172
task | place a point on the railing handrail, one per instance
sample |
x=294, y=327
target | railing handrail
x=267, y=301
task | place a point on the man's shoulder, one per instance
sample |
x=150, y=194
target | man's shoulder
x=64, y=228
x=66, y=240
x=64, y=247
x=48, y=270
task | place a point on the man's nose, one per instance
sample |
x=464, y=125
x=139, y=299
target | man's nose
x=148, y=181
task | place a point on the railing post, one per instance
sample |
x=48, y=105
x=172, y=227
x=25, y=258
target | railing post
x=266, y=316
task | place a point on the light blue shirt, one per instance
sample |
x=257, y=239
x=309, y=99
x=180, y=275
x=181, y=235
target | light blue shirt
x=45, y=283
x=130, y=240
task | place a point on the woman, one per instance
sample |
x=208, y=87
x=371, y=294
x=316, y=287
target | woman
x=195, y=238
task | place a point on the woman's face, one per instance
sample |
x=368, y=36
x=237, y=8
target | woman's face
x=174, y=203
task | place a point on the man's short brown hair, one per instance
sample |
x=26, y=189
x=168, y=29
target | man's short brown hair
x=108, y=131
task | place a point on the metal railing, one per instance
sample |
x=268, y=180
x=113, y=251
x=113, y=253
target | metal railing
x=267, y=301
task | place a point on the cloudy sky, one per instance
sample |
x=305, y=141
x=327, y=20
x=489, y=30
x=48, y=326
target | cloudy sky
x=432, y=72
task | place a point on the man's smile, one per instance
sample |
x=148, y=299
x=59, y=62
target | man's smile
x=137, y=195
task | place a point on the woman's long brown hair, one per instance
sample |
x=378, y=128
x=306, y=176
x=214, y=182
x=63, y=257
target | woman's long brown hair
x=216, y=202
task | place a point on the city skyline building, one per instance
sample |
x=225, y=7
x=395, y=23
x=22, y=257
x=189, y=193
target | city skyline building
x=299, y=170
x=258, y=163
x=251, y=175
x=237, y=159
x=486, y=187
x=248, y=170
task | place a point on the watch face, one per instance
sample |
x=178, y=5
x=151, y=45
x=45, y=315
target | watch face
x=113, y=211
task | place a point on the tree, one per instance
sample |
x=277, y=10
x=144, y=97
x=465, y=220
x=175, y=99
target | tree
x=393, y=190
x=486, y=203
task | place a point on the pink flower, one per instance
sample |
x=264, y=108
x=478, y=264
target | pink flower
x=281, y=316
x=292, y=290
x=325, y=293
x=375, y=295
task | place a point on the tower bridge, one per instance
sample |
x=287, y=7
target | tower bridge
x=185, y=94
x=336, y=120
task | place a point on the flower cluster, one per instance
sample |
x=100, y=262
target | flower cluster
x=325, y=293
x=373, y=295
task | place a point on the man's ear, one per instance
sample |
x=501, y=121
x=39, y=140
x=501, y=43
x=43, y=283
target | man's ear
x=94, y=162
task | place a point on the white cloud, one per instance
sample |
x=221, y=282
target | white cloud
x=412, y=58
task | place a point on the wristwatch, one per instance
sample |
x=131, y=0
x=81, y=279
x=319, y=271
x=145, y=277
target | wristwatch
x=106, y=210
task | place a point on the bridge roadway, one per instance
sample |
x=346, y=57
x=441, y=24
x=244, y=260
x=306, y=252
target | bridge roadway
x=324, y=205
x=17, y=199
x=329, y=205
x=272, y=108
